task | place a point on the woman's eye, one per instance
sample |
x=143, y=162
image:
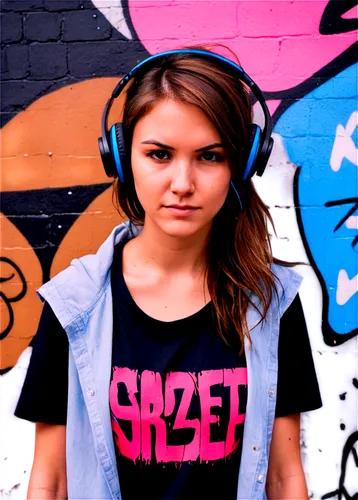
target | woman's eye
x=212, y=157
x=158, y=154
x=162, y=155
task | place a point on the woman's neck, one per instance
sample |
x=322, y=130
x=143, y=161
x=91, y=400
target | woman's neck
x=171, y=254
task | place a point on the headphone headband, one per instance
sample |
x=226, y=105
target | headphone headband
x=262, y=142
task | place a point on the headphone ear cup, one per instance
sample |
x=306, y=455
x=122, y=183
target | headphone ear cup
x=118, y=149
x=107, y=158
x=264, y=156
x=254, y=145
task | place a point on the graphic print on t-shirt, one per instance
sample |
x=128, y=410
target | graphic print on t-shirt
x=178, y=416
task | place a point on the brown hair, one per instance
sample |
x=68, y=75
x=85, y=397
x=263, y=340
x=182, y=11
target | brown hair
x=239, y=255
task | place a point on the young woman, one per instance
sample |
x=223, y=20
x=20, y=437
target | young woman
x=174, y=363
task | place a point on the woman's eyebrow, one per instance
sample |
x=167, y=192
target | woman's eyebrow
x=210, y=146
x=200, y=150
x=159, y=144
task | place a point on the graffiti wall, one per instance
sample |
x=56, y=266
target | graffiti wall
x=60, y=59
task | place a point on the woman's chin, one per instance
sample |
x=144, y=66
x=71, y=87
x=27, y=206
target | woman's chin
x=181, y=228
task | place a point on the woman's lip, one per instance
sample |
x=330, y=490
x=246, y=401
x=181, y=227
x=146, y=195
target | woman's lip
x=185, y=211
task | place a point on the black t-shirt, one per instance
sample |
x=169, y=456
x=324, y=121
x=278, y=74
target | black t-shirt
x=177, y=395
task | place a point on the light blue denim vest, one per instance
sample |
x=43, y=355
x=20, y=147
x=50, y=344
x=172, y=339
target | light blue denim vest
x=81, y=298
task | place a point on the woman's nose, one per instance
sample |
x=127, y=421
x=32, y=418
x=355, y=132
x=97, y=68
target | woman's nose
x=182, y=182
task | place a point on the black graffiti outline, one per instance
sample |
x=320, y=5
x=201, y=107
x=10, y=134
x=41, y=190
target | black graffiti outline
x=332, y=22
x=348, y=447
x=350, y=212
x=17, y=297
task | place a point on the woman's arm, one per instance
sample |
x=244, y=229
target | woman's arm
x=285, y=476
x=48, y=475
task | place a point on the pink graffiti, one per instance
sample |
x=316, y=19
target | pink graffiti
x=278, y=42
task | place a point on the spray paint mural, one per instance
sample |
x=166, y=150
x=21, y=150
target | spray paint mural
x=61, y=59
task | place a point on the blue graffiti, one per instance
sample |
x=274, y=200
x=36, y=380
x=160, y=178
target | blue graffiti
x=320, y=133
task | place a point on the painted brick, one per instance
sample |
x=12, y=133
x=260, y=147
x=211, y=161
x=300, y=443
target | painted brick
x=11, y=93
x=48, y=61
x=268, y=18
x=61, y=5
x=108, y=57
x=22, y=5
x=280, y=46
x=86, y=25
x=42, y=26
x=14, y=62
x=11, y=27
x=6, y=117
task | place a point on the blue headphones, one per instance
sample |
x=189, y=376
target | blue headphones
x=112, y=143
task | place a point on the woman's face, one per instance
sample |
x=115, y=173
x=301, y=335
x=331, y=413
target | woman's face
x=180, y=168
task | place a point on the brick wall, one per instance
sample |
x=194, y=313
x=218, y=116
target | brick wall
x=60, y=59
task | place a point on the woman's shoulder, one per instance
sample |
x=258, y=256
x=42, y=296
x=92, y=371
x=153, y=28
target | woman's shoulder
x=286, y=274
x=94, y=266
x=78, y=286
x=288, y=282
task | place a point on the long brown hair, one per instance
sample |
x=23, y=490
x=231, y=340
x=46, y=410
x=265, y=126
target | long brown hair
x=239, y=255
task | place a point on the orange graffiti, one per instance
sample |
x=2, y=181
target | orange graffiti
x=51, y=144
